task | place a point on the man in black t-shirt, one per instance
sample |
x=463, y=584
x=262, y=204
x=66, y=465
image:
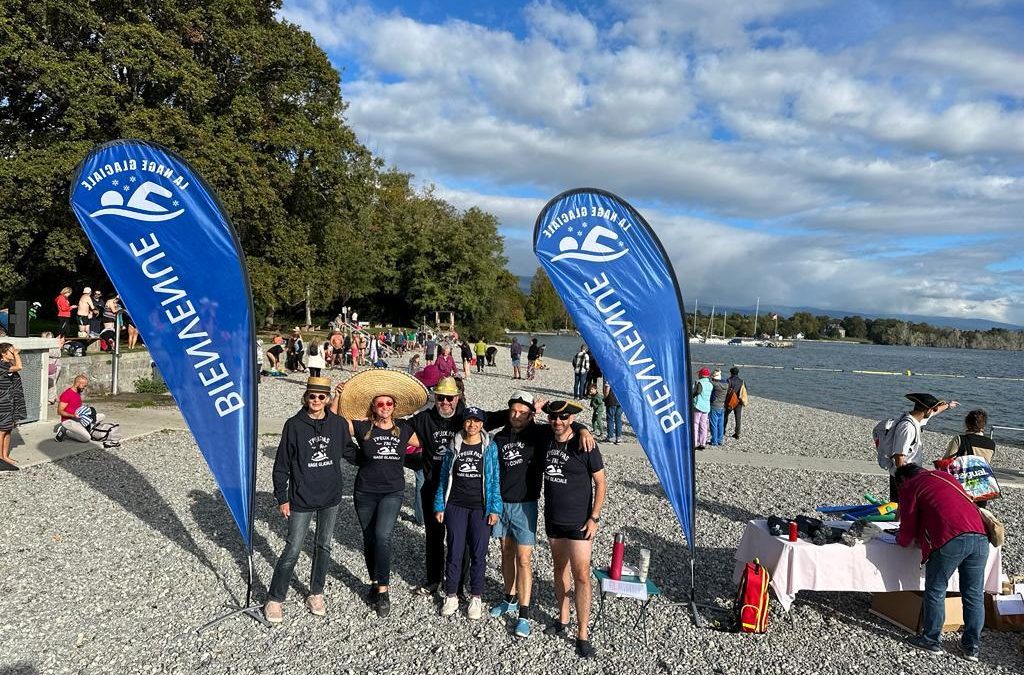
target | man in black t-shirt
x=574, y=491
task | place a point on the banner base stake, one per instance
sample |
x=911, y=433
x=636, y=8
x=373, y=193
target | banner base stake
x=254, y=612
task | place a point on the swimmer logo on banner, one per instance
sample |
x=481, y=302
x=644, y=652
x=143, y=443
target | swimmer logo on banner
x=175, y=260
x=614, y=277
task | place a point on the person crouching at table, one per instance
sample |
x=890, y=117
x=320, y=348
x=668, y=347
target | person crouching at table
x=940, y=516
x=307, y=482
x=468, y=502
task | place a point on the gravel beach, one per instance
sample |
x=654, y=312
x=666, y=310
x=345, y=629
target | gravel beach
x=111, y=559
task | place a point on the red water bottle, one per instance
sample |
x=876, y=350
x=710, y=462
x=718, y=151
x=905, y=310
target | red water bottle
x=792, y=531
x=618, y=553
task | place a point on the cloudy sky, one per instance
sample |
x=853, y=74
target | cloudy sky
x=838, y=154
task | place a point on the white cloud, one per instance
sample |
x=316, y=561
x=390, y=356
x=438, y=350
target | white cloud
x=824, y=154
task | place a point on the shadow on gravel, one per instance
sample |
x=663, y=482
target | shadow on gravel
x=122, y=483
x=713, y=566
x=211, y=515
x=728, y=511
x=18, y=669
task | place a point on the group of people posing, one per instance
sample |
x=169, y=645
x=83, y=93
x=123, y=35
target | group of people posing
x=484, y=472
x=713, y=400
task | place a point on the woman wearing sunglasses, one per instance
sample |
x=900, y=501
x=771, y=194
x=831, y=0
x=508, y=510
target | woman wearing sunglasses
x=380, y=480
x=307, y=482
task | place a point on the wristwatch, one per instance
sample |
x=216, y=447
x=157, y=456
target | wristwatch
x=596, y=519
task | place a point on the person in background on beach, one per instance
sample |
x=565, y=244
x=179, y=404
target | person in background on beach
x=337, y=350
x=532, y=354
x=75, y=418
x=133, y=330
x=480, y=350
x=594, y=373
x=430, y=349
x=716, y=416
x=466, y=352
x=580, y=368
x=380, y=446
x=701, y=407
x=613, y=416
x=468, y=503
x=574, y=491
x=974, y=441
x=941, y=518
x=597, y=405
x=516, y=354
x=296, y=350
x=435, y=427
x=64, y=311
x=907, y=445
x=274, y=353
x=307, y=482
x=414, y=364
x=84, y=312
x=316, y=362
x=737, y=386
x=12, y=397
x=110, y=309
x=446, y=362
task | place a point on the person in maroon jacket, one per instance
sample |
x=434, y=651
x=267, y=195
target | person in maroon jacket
x=936, y=513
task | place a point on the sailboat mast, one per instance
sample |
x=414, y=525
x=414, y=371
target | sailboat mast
x=756, y=310
x=711, y=322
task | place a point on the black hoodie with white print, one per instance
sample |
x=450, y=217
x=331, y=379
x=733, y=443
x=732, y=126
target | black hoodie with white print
x=307, y=470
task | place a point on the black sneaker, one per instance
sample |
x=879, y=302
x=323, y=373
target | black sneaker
x=62, y=431
x=556, y=629
x=371, y=595
x=383, y=605
x=584, y=649
x=924, y=644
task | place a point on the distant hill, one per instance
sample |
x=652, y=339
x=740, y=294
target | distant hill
x=787, y=310
x=937, y=321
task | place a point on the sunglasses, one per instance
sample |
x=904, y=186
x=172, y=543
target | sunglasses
x=444, y=398
x=385, y=404
x=563, y=416
x=317, y=397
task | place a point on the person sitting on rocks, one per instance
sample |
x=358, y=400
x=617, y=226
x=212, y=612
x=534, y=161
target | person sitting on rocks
x=76, y=420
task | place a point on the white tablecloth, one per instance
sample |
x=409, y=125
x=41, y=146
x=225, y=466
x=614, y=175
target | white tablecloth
x=875, y=567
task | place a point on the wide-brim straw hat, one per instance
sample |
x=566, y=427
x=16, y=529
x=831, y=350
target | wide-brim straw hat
x=409, y=393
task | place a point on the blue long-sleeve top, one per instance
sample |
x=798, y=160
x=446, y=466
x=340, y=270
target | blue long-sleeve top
x=492, y=477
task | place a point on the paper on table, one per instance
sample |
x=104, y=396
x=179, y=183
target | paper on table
x=1018, y=589
x=627, y=589
x=1009, y=604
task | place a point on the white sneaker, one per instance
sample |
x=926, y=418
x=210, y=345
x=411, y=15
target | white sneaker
x=476, y=609
x=450, y=606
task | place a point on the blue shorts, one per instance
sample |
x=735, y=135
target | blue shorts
x=515, y=362
x=519, y=522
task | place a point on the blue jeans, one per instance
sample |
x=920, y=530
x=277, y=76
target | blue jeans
x=967, y=553
x=378, y=513
x=417, y=505
x=579, y=384
x=298, y=524
x=716, y=418
x=614, y=419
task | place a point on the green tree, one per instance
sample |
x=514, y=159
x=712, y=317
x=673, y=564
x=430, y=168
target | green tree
x=544, y=307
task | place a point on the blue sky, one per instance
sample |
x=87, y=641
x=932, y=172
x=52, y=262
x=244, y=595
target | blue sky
x=846, y=154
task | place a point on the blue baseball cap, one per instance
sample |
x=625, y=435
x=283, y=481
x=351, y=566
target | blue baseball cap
x=474, y=413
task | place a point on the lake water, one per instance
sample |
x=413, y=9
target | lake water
x=770, y=373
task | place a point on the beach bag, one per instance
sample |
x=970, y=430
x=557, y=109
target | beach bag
x=974, y=474
x=883, y=435
x=751, y=606
x=109, y=434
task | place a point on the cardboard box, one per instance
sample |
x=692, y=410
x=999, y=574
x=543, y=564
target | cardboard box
x=905, y=608
x=1013, y=623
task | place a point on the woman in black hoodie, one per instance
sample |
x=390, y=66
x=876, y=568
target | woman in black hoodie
x=307, y=481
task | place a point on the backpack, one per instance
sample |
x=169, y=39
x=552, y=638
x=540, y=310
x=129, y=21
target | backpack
x=883, y=435
x=751, y=606
x=732, y=399
x=109, y=434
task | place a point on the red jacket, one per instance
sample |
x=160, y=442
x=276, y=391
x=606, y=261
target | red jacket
x=934, y=509
x=63, y=306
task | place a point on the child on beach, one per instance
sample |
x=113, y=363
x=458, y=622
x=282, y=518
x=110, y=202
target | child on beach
x=12, y=397
x=597, y=403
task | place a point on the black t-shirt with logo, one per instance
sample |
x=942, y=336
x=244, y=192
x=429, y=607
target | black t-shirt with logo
x=568, y=488
x=468, y=477
x=381, y=456
x=521, y=463
x=435, y=434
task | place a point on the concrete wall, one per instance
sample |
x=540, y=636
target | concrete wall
x=98, y=367
x=35, y=363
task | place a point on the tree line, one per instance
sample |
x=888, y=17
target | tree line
x=254, y=105
x=877, y=331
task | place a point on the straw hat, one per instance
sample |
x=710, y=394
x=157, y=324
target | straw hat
x=318, y=384
x=410, y=395
x=447, y=387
